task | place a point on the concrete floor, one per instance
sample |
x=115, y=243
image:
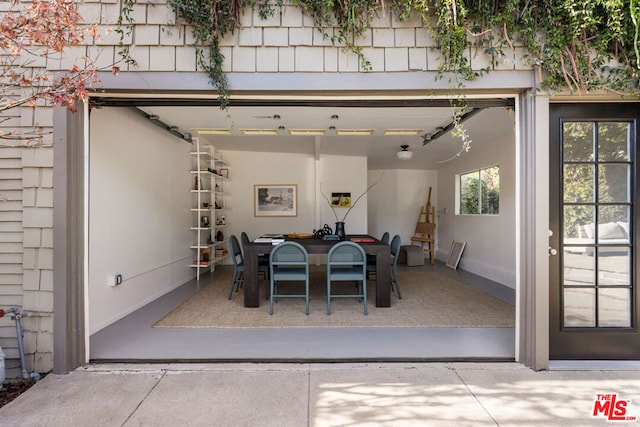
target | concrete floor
x=322, y=395
x=133, y=339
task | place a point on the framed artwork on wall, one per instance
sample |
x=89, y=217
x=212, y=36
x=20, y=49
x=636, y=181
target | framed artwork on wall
x=341, y=200
x=455, y=253
x=275, y=199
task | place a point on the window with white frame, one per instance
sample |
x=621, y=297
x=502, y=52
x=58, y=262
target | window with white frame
x=479, y=192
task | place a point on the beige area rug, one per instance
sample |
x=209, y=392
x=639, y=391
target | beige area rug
x=429, y=299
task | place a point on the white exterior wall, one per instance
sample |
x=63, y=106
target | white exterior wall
x=286, y=43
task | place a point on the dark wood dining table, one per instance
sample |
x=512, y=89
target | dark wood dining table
x=380, y=250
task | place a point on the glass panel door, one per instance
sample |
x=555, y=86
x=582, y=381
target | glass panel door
x=593, y=287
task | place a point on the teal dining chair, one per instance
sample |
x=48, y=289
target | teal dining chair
x=395, y=250
x=347, y=261
x=238, y=265
x=288, y=261
x=371, y=259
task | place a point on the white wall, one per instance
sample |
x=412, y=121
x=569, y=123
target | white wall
x=491, y=247
x=248, y=168
x=335, y=173
x=139, y=214
x=343, y=174
x=395, y=202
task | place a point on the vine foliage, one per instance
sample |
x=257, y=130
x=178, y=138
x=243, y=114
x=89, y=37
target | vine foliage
x=578, y=45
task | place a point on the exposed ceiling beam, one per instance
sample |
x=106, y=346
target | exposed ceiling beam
x=156, y=120
x=428, y=137
x=362, y=103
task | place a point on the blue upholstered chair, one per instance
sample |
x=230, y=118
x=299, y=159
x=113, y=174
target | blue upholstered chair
x=347, y=261
x=288, y=261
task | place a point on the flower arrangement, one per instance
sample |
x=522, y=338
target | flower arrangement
x=352, y=204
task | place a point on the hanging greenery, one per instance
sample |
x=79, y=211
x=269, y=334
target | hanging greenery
x=578, y=45
x=575, y=44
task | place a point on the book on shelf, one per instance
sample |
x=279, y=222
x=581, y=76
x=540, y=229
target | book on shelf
x=220, y=253
x=262, y=240
x=270, y=238
x=330, y=237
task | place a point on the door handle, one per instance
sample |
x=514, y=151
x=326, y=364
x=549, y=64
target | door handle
x=552, y=251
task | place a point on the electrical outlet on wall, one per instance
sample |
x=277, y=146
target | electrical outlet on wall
x=114, y=280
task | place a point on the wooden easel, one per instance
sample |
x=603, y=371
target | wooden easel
x=425, y=232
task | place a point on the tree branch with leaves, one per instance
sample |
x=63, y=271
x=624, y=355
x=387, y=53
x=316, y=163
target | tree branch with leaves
x=33, y=33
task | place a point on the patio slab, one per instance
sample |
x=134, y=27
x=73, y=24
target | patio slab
x=321, y=394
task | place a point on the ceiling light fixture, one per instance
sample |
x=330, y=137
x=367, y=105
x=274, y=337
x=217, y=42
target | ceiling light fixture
x=259, y=131
x=208, y=131
x=402, y=132
x=306, y=132
x=405, y=154
x=357, y=132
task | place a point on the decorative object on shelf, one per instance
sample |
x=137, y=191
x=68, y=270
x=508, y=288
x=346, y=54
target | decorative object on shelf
x=220, y=221
x=340, y=230
x=219, y=236
x=204, y=221
x=353, y=205
x=275, y=199
x=341, y=200
x=301, y=235
x=205, y=255
x=196, y=185
x=324, y=231
x=224, y=172
x=206, y=205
